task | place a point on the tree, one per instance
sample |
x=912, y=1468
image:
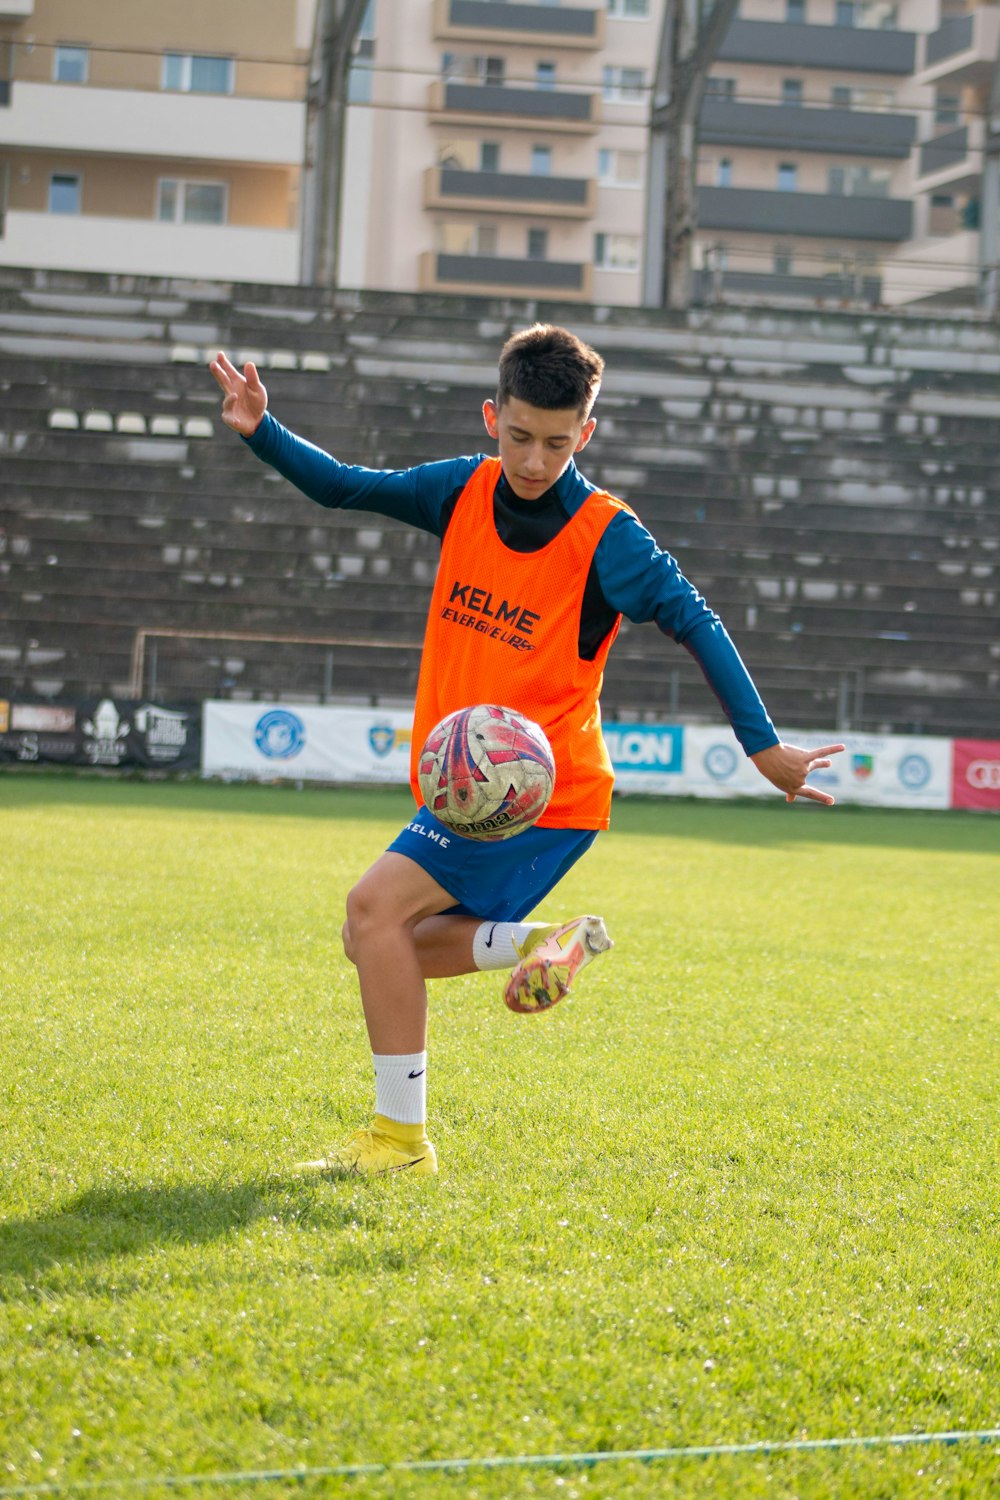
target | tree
x=336, y=30
x=690, y=38
x=989, y=216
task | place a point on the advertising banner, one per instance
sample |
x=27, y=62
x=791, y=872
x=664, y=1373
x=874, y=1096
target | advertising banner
x=699, y=761
x=305, y=742
x=111, y=732
x=646, y=757
x=975, y=777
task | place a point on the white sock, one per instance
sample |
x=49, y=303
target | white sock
x=493, y=944
x=401, y=1086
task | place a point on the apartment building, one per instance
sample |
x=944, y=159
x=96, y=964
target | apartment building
x=499, y=146
x=956, y=248
x=162, y=139
x=504, y=147
x=807, y=140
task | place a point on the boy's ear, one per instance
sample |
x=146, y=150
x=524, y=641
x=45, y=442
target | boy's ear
x=490, y=415
x=586, y=433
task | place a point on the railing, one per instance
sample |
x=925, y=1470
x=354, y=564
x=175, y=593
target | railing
x=848, y=216
x=571, y=22
x=794, y=127
x=794, y=44
x=954, y=36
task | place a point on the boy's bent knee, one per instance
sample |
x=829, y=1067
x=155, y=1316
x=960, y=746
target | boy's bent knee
x=345, y=937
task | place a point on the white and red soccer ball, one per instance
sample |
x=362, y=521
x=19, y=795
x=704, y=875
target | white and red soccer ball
x=486, y=772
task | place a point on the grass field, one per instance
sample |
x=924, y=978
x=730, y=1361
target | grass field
x=744, y=1186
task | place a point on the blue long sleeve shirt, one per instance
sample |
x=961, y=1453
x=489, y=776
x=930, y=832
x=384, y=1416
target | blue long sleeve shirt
x=630, y=574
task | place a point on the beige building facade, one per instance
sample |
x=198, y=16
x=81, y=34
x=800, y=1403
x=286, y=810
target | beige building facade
x=498, y=146
x=164, y=139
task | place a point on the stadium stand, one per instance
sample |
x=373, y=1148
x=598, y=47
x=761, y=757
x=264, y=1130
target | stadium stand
x=828, y=480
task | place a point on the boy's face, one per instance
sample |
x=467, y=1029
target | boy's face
x=535, y=444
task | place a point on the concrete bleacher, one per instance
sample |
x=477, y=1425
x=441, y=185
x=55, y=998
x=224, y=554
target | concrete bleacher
x=826, y=479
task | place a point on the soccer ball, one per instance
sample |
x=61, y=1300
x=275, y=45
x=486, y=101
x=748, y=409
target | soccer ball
x=486, y=772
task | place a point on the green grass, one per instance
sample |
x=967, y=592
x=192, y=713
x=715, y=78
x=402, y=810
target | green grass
x=744, y=1186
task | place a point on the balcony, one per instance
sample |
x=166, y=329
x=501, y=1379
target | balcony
x=797, y=45
x=963, y=50
x=943, y=270
x=497, y=105
x=495, y=275
x=205, y=127
x=816, y=215
x=952, y=160
x=791, y=126
x=766, y=286
x=538, y=25
x=144, y=247
x=510, y=192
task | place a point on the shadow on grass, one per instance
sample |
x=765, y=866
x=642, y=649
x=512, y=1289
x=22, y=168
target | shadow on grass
x=771, y=823
x=103, y=1223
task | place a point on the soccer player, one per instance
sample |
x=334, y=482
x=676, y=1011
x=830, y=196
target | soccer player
x=537, y=569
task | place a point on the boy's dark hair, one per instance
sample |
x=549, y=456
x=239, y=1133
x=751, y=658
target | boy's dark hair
x=550, y=367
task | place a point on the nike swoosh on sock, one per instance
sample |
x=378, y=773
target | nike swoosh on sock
x=418, y=1073
x=489, y=940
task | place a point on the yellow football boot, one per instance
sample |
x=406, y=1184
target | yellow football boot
x=385, y=1146
x=551, y=958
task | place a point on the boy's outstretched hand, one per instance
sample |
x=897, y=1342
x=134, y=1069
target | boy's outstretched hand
x=787, y=767
x=245, y=397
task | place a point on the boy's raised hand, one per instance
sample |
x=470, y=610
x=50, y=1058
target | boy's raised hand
x=787, y=766
x=245, y=397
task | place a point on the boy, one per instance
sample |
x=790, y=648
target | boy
x=522, y=529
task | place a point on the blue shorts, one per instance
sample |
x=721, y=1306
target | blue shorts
x=499, y=882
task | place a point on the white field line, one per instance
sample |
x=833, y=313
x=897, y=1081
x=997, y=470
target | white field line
x=522, y=1461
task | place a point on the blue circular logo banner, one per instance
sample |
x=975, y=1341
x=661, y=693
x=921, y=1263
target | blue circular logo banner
x=279, y=734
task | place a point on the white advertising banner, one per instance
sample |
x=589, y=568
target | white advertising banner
x=303, y=742
x=880, y=770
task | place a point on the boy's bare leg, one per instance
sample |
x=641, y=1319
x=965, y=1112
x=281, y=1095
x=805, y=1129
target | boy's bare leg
x=444, y=946
x=384, y=909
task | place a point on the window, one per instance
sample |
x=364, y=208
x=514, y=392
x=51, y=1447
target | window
x=629, y=9
x=538, y=244
x=71, y=64
x=871, y=15
x=616, y=252
x=858, y=96
x=877, y=15
x=191, y=73
x=454, y=238
x=183, y=202
x=860, y=182
x=791, y=91
x=541, y=161
x=724, y=173
x=947, y=109
x=64, y=193
x=795, y=11
x=619, y=168
x=545, y=75
x=720, y=88
x=624, y=85
x=489, y=156
x=359, y=74
x=788, y=174
x=463, y=68
x=781, y=260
